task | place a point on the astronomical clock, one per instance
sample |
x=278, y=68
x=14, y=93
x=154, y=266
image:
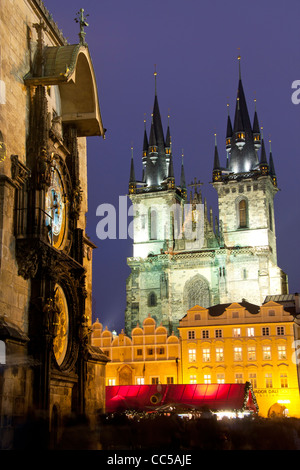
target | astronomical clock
x=56, y=208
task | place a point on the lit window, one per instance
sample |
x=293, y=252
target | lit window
x=220, y=378
x=252, y=380
x=207, y=379
x=218, y=333
x=206, y=355
x=192, y=355
x=281, y=352
x=111, y=381
x=205, y=334
x=193, y=379
x=239, y=378
x=236, y=332
x=265, y=331
x=283, y=381
x=2, y=353
x=191, y=334
x=268, y=380
x=250, y=331
x=219, y=354
x=280, y=330
x=266, y=352
x=155, y=380
x=251, y=353
x=237, y=354
x=140, y=380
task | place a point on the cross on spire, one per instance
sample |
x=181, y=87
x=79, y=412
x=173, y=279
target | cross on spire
x=81, y=19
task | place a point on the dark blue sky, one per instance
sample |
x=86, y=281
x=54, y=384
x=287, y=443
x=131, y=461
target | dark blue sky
x=195, y=47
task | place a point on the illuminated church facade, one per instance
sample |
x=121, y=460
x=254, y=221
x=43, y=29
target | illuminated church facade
x=182, y=255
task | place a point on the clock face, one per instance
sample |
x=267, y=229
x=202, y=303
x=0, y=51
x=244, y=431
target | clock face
x=60, y=342
x=56, y=209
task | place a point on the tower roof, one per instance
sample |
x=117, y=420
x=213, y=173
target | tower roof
x=243, y=153
x=132, y=172
x=217, y=165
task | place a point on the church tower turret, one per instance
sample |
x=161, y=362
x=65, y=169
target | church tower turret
x=246, y=191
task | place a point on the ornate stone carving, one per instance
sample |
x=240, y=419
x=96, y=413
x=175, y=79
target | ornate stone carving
x=20, y=172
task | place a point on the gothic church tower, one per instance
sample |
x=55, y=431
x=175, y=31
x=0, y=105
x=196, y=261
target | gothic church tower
x=182, y=255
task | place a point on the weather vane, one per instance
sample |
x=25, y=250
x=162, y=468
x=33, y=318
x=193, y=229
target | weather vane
x=81, y=19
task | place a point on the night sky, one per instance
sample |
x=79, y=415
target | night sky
x=195, y=45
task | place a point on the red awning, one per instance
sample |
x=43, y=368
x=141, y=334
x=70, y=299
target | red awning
x=216, y=397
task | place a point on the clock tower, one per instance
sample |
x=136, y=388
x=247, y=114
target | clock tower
x=46, y=255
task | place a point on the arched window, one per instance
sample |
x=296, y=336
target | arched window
x=243, y=214
x=196, y=292
x=152, y=224
x=2, y=353
x=152, y=301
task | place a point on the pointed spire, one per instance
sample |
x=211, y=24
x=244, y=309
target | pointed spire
x=243, y=155
x=216, y=157
x=256, y=132
x=272, y=167
x=263, y=157
x=168, y=135
x=228, y=131
x=145, y=143
x=182, y=177
x=132, y=180
x=217, y=172
x=240, y=74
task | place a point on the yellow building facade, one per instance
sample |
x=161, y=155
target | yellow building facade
x=241, y=342
x=229, y=343
x=150, y=356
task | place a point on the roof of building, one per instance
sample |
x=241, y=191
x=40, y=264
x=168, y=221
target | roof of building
x=216, y=397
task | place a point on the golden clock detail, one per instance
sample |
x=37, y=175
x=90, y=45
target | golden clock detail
x=56, y=209
x=61, y=326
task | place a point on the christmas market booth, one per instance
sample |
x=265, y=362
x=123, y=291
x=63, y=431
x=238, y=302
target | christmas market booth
x=232, y=400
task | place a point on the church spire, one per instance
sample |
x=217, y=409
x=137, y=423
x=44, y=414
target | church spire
x=243, y=153
x=228, y=132
x=182, y=177
x=156, y=165
x=217, y=172
x=263, y=165
x=272, y=168
x=256, y=132
x=132, y=180
x=145, y=151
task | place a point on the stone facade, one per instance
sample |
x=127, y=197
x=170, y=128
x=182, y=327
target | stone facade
x=47, y=363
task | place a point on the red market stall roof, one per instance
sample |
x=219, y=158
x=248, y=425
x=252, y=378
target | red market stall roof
x=216, y=397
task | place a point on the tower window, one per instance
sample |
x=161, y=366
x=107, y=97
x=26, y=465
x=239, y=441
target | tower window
x=153, y=225
x=243, y=213
x=152, y=301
